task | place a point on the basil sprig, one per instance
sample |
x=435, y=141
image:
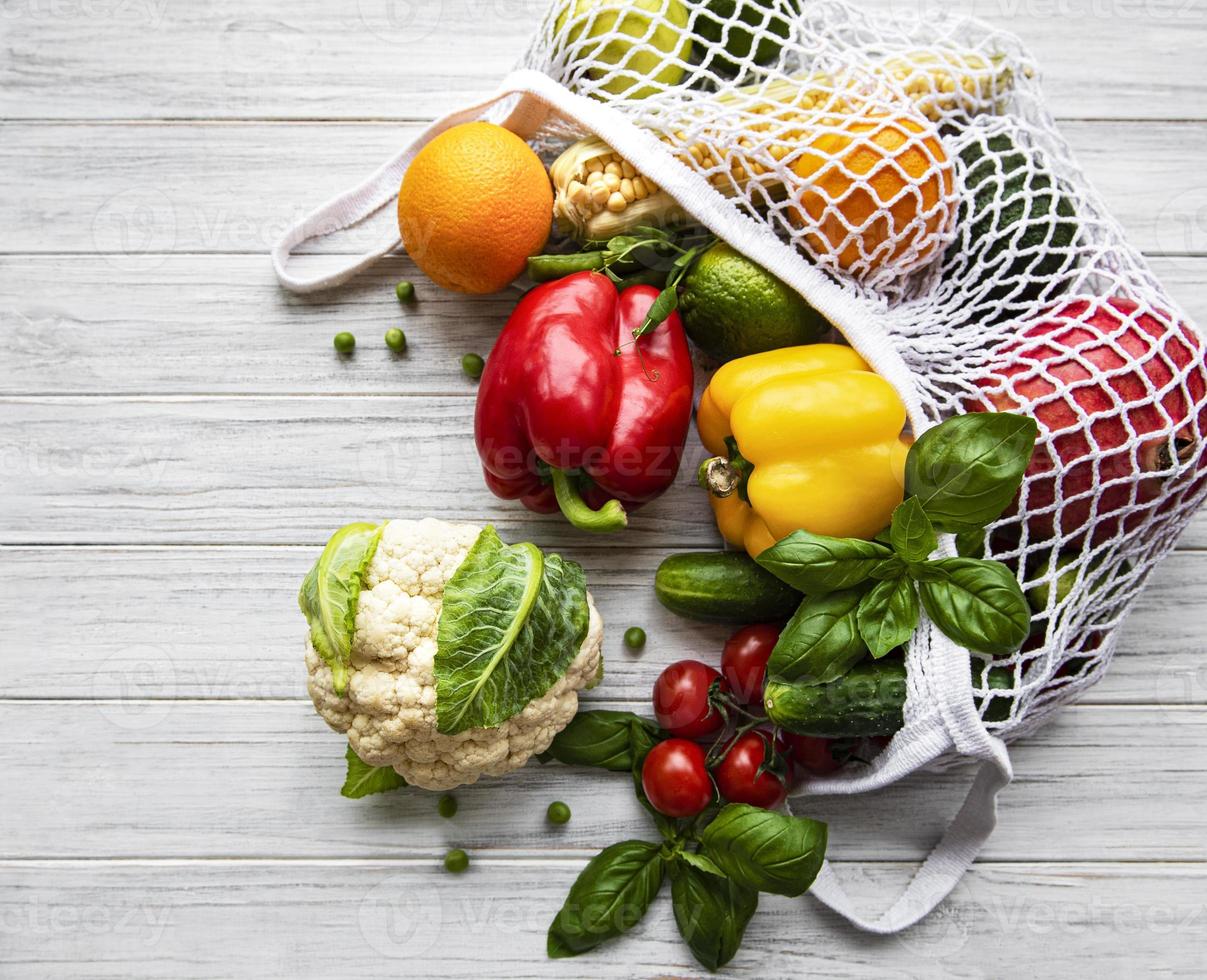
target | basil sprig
x=717, y=871
x=718, y=861
x=865, y=597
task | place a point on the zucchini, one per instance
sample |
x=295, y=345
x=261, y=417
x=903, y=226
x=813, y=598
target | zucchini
x=723, y=587
x=868, y=700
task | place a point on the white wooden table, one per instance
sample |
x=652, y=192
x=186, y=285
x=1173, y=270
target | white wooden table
x=177, y=439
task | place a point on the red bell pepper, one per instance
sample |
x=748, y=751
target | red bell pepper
x=573, y=413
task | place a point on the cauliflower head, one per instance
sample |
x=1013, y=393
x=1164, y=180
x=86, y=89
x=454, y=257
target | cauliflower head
x=389, y=709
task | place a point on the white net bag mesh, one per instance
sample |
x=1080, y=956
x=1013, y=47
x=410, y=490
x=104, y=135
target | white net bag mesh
x=909, y=181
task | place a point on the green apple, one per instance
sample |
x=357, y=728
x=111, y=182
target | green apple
x=634, y=59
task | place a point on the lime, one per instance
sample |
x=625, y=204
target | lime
x=732, y=307
x=750, y=25
x=633, y=56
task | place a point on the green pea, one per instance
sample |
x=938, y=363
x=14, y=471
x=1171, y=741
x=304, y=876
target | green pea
x=396, y=340
x=344, y=342
x=472, y=365
x=634, y=638
x=558, y=812
x=404, y=291
x=447, y=807
x=456, y=861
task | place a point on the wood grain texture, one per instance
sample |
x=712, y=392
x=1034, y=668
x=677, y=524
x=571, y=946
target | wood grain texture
x=136, y=192
x=218, y=324
x=234, y=631
x=383, y=59
x=281, y=470
x=377, y=919
x=247, y=779
x=272, y=470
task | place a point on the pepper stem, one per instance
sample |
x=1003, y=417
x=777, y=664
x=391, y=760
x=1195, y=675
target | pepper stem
x=610, y=517
x=718, y=476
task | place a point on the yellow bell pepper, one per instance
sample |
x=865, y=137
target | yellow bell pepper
x=803, y=437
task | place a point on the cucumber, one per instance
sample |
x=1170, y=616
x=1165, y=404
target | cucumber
x=723, y=587
x=868, y=700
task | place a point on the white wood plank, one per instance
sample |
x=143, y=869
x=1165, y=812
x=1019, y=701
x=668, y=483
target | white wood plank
x=138, y=191
x=109, y=638
x=220, y=324
x=270, y=470
x=369, y=919
x=246, y=779
x=308, y=59
x=280, y=470
x=201, y=324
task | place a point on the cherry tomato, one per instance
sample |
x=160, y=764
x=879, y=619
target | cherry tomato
x=681, y=702
x=738, y=777
x=744, y=660
x=675, y=778
x=809, y=752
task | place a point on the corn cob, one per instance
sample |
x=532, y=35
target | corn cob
x=941, y=82
x=599, y=194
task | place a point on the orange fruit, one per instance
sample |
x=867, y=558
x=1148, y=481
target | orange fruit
x=875, y=161
x=474, y=204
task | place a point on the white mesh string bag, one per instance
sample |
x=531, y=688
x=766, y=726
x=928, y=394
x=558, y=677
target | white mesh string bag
x=910, y=183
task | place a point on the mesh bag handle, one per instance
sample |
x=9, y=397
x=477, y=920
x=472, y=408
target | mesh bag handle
x=943, y=867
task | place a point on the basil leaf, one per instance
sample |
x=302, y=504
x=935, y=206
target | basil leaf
x=712, y=914
x=967, y=470
x=821, y=641
x=701, y=862
x=330, y=594
x=816, y=564
x=365, y=780
x=889, y=568
x=768, y=851
x=888, y=615
x=977, y=603
x=912, y=533
x=604, y=739
x=971, y=544
x=511, y=622
x=608, y=898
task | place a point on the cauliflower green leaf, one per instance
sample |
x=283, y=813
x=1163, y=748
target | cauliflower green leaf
x=331, y=591
x=512, y=621
x=365, y=780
